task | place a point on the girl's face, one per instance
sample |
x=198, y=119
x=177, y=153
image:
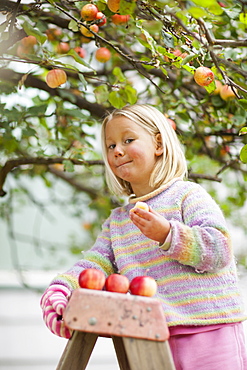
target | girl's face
x=132, y=152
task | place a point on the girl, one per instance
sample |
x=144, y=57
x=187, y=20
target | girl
x=182, y=242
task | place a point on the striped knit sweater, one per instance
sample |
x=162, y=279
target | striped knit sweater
x=196, y=276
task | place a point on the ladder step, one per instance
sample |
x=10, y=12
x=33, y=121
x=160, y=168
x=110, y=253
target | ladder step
x=116, y=314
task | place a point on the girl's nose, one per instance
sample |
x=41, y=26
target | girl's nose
x=118, y=152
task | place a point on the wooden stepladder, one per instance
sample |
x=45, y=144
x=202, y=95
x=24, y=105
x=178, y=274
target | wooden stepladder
x=136, y=325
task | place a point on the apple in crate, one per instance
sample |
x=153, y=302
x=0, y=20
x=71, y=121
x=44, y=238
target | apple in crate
x=117, y=283
x=92, y=279
x=143, y=285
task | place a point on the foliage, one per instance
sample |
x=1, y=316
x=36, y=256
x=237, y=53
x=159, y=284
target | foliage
x=49, y=132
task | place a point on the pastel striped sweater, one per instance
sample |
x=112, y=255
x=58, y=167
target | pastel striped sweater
x=196, y=276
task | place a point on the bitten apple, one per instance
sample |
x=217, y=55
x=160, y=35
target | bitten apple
x=143, y=285
x=117, y=283
x=140, y=205
x=203, y=76
x=91, y=278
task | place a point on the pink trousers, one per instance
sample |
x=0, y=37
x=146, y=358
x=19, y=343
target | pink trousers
x=220, y=349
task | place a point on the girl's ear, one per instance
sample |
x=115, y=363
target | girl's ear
x=159, y=145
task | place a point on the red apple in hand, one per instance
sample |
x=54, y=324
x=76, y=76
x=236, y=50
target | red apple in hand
x=203, y=76
x=92, y=279
x=143, y=285
x=117, y=283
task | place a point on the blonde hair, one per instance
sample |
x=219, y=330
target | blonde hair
x=170, y=164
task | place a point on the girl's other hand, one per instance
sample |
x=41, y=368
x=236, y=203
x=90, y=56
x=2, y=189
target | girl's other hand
x=53, y=303
x=151, y=224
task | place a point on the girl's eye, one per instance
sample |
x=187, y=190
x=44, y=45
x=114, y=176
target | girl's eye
x=112, y=146
x=128, y=141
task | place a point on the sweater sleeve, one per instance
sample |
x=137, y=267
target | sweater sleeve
x=100, y=256
x=202, y=239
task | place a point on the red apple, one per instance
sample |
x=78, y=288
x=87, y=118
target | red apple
x=203, y=76
x=55, y=78
x=92, y=278
x=29, y=41
x=80, y=51
x=102, y=17
x=178, y=53
x=117, y=283
x=102, y=55
x=172, y=123
x=89, y=12
x=227, y=93
x=53, y=34
x=62, y=48
x=143, y=285
x=120, y=19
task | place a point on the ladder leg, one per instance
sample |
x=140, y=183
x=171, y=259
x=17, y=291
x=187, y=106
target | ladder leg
x=148, y=355
x=121, y=353
x=77, y=351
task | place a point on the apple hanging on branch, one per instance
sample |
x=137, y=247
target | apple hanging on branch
x=56, y=77
x=203, y=76
x=103, y=55
x=89, y=12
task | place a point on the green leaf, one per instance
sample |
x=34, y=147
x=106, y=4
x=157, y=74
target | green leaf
x=188, y=68
x=243, y=154
x=243, y=18
x=243, y=103
x=205, y=3
x=150, y=41
x=116, y=100
x=37, y=110
x=168, y=39
x=82, y=79
x=119, y=74
x=127, y=7
x=30, y=30
x=243, y=131
x=73, y=26
x=131, y=95
x=78, y=59
x=68, y=166
x=215, y=9
x=197, y=12
x=211, y=87
x=101, y=93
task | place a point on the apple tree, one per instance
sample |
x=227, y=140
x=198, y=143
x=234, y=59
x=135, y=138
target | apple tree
x=65, y=64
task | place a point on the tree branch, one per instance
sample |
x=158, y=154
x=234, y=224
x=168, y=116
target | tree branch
x=95, y=109
x=13, y=163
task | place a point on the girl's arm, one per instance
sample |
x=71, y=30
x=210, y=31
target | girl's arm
x=55, y=298
x=202, y=240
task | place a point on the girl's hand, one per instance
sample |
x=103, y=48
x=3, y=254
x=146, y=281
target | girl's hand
x=151, y=224
x=53, y=303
